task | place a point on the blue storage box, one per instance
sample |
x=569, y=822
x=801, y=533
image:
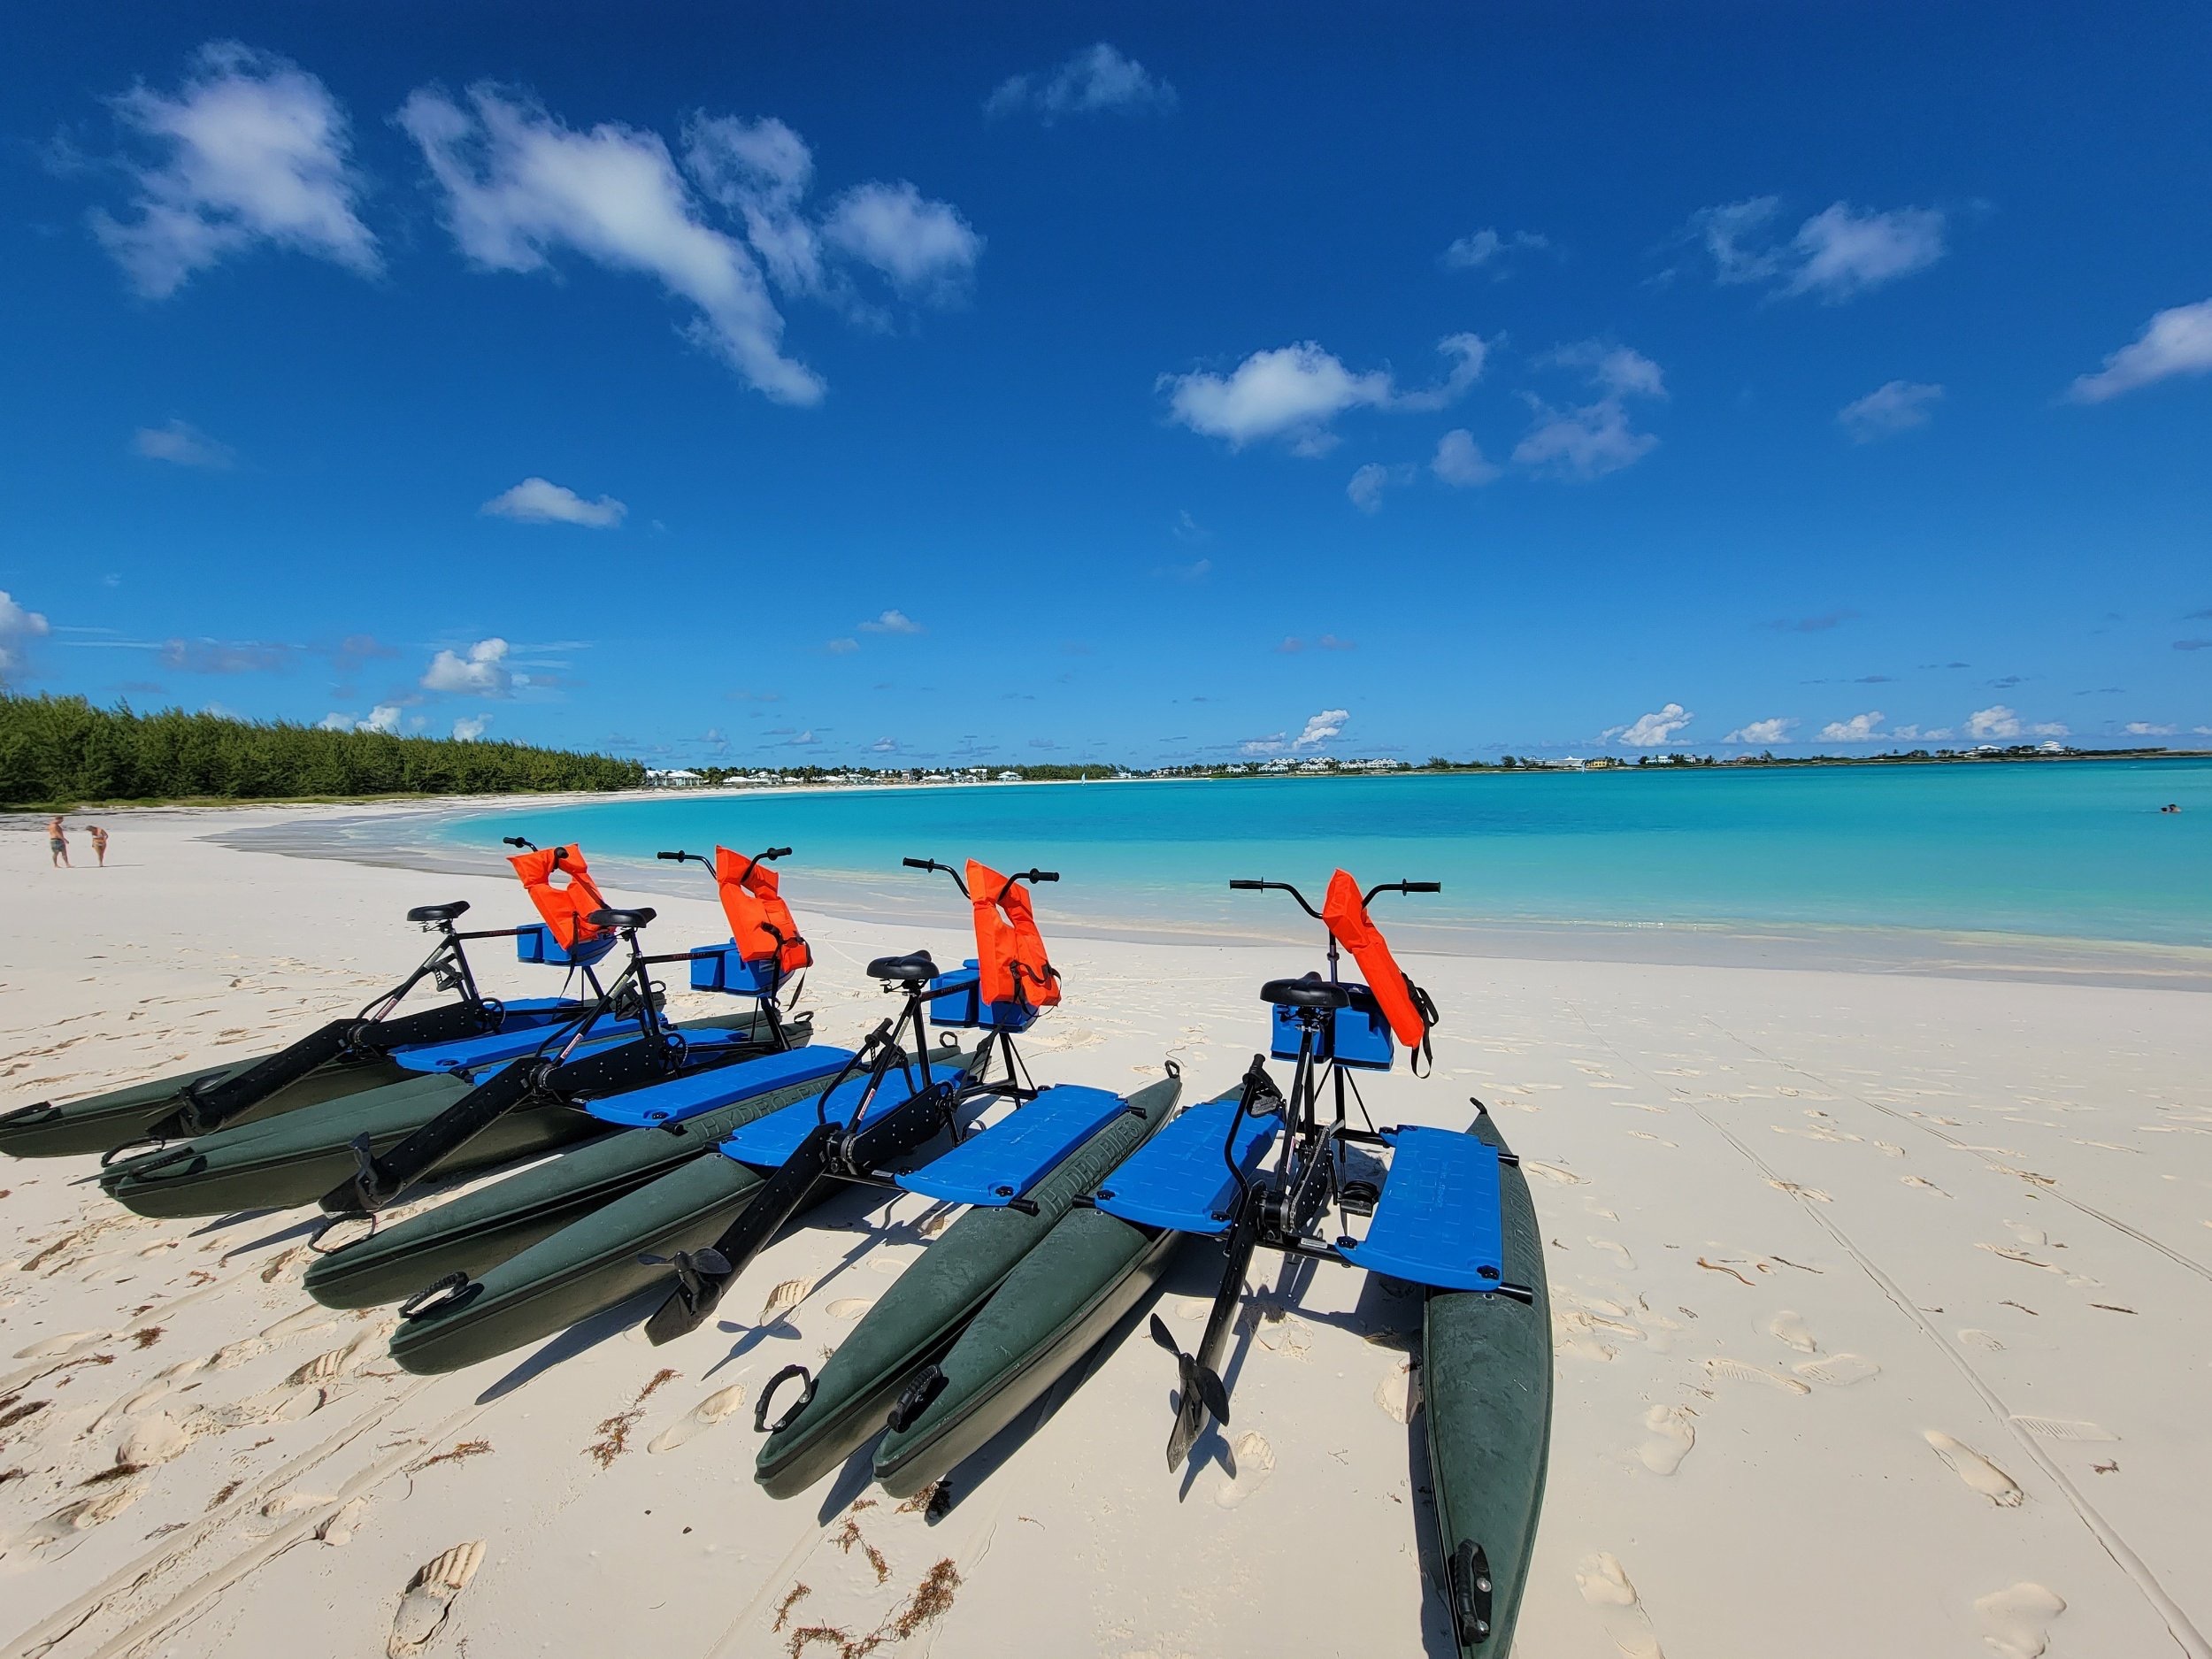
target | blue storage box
x=962, y=1005
x=719, y=968
x=536, y=943
x=1357, y=1035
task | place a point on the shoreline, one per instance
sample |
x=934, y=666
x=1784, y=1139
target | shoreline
x=380, y=838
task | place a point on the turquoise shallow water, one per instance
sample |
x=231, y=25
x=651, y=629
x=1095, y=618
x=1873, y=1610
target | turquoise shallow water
x=2074, y=850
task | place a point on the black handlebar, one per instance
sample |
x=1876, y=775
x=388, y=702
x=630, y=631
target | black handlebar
x=921, y=863
x=1249, y=886
x=1020, y=875
x=516, y=841
x=1246, y=887
x=679, y=856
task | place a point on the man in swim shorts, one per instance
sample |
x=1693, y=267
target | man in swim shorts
x=57, y=841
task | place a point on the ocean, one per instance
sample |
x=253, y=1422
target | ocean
x=2056, y=850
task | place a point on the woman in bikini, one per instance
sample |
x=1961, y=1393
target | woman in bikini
x=99, y=843
x=57, y=841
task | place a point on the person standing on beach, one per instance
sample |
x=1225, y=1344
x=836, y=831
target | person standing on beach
x=57, y=841
x=99, y=843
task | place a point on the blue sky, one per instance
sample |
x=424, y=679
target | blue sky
x=1068, y=383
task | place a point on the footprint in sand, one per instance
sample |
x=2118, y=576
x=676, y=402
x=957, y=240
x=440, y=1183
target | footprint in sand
x=155, y=1439
x=1669, y=1438
x=850, y=1307
x=700, y=1418
x=783, y=1298
x=1980, y=1339
x=2032, y=1236
x=2017, y=1623
x=1791, y=1330
x=55, y=1346
x=2064, y=1429
x=57, y=1534
x=340, y=1528
x=429, y=1598
x=1924, y=1186
x=1398, y=1394
x=1888, y=1150
x=1551, y=1172
x=1193, y=1307
x=1606, y=1588
x=1839, y=1370
x=1979, y=1474
x=1617, y=1251
x=1251, y=1461
x=1737, y=1371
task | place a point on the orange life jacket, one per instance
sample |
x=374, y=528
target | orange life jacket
x=1007, y=944
x=760, y=921
x=1404, y=1004
x=565, y=908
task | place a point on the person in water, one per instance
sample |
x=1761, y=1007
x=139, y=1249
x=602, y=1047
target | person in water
x=99, y=843
x=57, y=841
x=2171, y=806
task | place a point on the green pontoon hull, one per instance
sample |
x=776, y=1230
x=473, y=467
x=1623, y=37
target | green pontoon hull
x=476, y=1232
x=1486, y=1367
x=589, y=1266
x=99, y=1123
x=1487, y=1383
x=1076, y=1285
x=918, y=1320
x=278, y=1163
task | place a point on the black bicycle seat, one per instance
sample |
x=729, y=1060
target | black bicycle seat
x=1312, y=991
x=917, y=966
x=621, y=919
x=437, y=913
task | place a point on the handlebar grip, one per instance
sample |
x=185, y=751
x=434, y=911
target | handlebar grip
x=1044, y=875
x=515, y=840
x=777, y=852
x=669, y=855
x=1425, y=887
x=920, y=863
x=1246, y=887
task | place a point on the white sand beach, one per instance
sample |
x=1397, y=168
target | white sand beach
x=1881, y=1328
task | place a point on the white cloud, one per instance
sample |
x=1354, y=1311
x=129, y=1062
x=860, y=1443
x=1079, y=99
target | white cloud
x=2145, y=728
x=1296, y=391
x=1487, y=248
x=1893, y=407
x=1367, y=485
x=483, y=671
x=892, y=622
x=2175, y=341
x=1930, y=734
x=1651, y=731
x=1460, y=462
x=1321, y=727
x=1843, y=252
x=383, y=718
x=1469, y=352
x=923, y=246
x=1860, y=728
x=18, y=627
x=842, y=648
x=885, y=745
x=1590, y=440
x=519, y=184
x=469, y=727
x=1271, y=744
x=1837, y=253
x=1293, y=389
x=760, y=171
x=2000, y=721
x=183, y=444
x=536, y=501
x=1096, y=78
x=1774, y=731
x=799, y=740
x=255, y=148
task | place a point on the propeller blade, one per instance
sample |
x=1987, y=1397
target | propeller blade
x=711, y=1261
x=1164, y=1337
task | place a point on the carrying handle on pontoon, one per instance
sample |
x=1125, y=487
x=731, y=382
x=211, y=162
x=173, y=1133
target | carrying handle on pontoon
x=805, y=1399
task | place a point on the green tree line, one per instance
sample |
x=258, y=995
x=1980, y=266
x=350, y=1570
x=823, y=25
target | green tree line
x=55, y=751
